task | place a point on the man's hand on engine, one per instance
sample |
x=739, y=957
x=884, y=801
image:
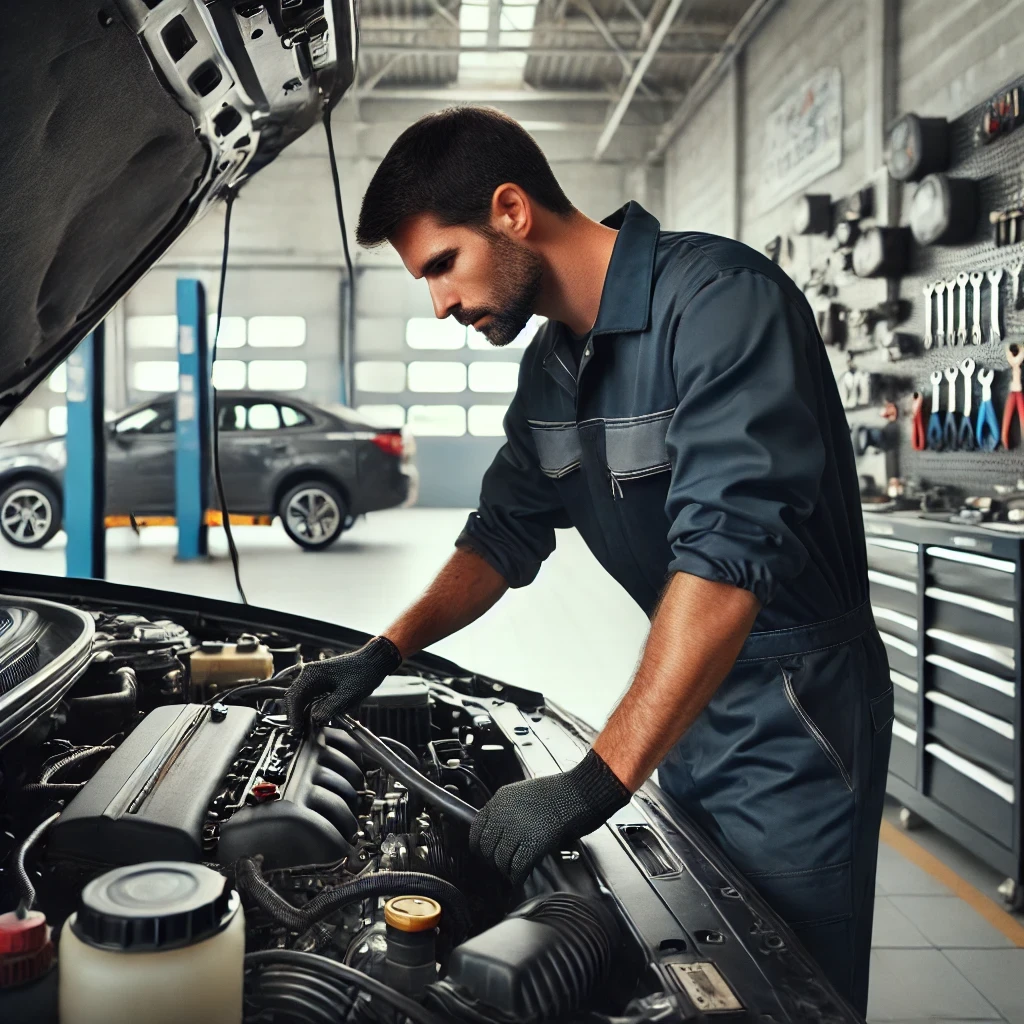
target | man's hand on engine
x=526, y=820
x=333, y=687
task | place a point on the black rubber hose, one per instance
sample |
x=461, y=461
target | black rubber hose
x=379, y=752
x=69, y=760
x=22, y=880
x=124, y=696
x=54, y=789
x=314, y=965
x=251, y=883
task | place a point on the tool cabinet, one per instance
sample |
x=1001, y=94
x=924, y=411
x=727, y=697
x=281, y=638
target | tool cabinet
x=947, y=603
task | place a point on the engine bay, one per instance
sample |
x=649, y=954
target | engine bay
x=171, y=745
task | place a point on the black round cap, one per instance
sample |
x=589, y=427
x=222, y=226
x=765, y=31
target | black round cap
x=159, y=905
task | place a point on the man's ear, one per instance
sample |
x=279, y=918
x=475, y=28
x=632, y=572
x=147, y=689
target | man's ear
x=511, y=211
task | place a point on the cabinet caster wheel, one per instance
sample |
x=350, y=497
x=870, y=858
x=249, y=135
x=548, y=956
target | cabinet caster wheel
x=909, y=820
x=1013, y=895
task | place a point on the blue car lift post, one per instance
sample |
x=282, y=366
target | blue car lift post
x=86, y=468
x=193, y=422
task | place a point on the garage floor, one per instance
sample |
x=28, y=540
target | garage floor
x=940, y=954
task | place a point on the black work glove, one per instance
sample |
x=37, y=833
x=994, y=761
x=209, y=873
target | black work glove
x=335, y=686
x=526, y=820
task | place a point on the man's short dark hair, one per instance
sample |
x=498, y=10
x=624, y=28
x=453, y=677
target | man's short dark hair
x=448, y=164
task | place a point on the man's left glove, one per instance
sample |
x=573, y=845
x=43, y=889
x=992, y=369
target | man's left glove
x=336, y=685
x=526, y=820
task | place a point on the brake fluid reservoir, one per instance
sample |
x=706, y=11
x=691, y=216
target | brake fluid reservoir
x=216, y=665
x=162, y=942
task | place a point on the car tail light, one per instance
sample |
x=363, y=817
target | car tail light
x=390, y=443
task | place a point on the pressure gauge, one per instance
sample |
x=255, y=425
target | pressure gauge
x=944, y=211
x=917, y=146
x=812, y=215
x=881, y=252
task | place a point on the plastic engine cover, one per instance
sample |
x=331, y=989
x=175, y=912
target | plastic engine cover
x=197, y=783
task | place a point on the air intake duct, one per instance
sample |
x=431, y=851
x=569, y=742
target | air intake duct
x=545, y=961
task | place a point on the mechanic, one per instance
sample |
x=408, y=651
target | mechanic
x=679, y=410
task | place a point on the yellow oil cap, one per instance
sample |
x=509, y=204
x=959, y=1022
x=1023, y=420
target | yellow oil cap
x=412, y=913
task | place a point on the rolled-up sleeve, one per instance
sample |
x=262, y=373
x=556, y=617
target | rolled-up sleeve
x=514, y=527
x=745, y=442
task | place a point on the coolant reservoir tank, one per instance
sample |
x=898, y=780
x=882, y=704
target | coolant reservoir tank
x=216, y=665
x=162, y=942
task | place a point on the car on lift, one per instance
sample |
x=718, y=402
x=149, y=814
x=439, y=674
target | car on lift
x=151, y=788
x=280, y=456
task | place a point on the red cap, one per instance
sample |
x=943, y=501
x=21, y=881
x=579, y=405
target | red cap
x=26, y=951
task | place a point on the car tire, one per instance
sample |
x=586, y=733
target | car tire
x=314, y=514
x=30, y=513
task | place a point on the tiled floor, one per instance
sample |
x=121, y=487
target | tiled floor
x=576, y=636
x=934, y=957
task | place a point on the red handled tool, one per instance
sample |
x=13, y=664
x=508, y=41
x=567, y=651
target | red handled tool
x=1015, y=399
x=918, y=439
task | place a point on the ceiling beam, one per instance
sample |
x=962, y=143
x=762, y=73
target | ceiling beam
x=598, y=22
x=453, y=50
x=744, y=31
x=443, y=11
x=620, y=108
x=495, y=94
x=709, y=34
x=365, y=88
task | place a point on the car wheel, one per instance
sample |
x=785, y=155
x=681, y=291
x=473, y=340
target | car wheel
x=314, y=515
x=29, y=513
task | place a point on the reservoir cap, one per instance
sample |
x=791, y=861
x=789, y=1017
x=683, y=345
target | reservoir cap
x=412, y=913
x=159, y=905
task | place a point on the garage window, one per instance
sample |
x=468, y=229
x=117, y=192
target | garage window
x=383, y=415
x=232, y=331
x=437, y=420
x=493, y=376
x=382, y=377
x=486, y=420
x=437, y=377
x=58, y=381
x=277, y=331
x=151, y=331
x=277, y=374
x=229, y=374
x=427, y=332
x=57, y=420
x=155, y=376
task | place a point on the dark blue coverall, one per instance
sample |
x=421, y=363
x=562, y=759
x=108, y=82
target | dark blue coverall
x=705, y=434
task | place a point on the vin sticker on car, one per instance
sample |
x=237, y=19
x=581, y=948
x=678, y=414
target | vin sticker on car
x=705, y=986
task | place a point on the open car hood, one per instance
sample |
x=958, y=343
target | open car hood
x=121, y=122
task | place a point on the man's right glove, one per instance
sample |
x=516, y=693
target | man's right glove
x=334, y=686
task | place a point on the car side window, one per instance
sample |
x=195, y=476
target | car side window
x=154, y=419
x=264, y=416
x=230, y=416
x=292, y=417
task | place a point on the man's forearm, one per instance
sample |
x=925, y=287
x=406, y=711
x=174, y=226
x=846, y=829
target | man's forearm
x=694, y=640
x=462, y=591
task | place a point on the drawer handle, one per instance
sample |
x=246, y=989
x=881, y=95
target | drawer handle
x=907, y=621
x=898, y=644
x=885, y=580
x=904, y=732
x=994, y=652
x=1003, y=686
x=1002, y=789
x=999, y=611
x=894, y=545
x=904, y=682
x=997, y=725
x=998, y=564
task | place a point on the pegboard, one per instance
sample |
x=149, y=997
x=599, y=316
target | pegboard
x=998, y=168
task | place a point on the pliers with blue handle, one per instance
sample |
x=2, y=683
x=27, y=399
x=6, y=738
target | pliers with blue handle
x=987, y=433
x=935, y=420
x=949, y=433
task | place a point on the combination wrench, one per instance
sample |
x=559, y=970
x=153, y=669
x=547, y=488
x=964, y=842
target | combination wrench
x=961, y=282
x=929, y=337
x=976, y=278
x=1015, y=296
x=994, y=277
x=950, y=311
x=965, y=439
x=935, y=419
x=940, y=330
x=949, y=433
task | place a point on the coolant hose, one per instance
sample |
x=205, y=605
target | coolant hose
x=251, y=883
x=59, y=767
x=21, y=876
x=432, y=793
x=122, y=697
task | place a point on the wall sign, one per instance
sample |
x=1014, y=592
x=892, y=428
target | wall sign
x=803, y=137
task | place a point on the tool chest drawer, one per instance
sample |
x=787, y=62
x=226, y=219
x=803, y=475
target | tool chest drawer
x=985, y=691
x=971, y=616
x=894, y=557
x=894, y=592
x=901, y=653
x=983, y=738
x=905, y=697
x=896, y=623
x=968, y=573
x=995, y=659
x=971, y=792
x=903, y=753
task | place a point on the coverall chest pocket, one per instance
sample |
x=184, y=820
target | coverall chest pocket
x=559, y=450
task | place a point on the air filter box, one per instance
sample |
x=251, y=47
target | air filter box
x=399, y=709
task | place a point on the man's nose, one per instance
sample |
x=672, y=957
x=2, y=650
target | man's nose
x=444, y=300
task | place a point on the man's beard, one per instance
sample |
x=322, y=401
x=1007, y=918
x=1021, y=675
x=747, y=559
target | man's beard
x=516, y=291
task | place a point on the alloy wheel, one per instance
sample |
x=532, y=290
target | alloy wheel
x=313, y=515
x=26, y=515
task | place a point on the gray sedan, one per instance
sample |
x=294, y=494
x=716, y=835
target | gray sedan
x=279, y=456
